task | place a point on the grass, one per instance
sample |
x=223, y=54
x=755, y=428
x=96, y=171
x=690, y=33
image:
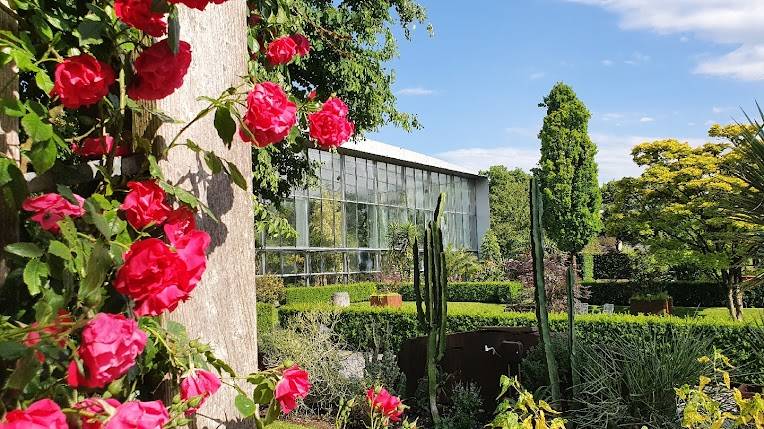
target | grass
x=287, y=425
x=717, y=313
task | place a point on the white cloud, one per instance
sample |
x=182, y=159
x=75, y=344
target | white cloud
x=613, y=156
x=734, y=22
x=637, y=58
x=607, y=63
x=684, y=39
x=610, y=116
x=717, y=109
x=417, y=91
x=536, y=75
x=646, y=119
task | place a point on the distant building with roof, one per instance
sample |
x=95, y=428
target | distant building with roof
x=342, y=221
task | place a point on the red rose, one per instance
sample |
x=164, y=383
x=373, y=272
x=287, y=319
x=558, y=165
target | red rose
x=82, y=81
x=96, y=411
x=110, y=344
x=179, y=223
x=388, y=405
x=281, y=50
x=157, y=278
x=138, y=14
x=330, y=126
x=159, y=72
x=57, y=332
x=96, y=147
x=311, y=95
x=197, y=4
x=199, y=383
x=50, y=208
x=144, y=205
x=43, y=414
x=302, y=43
x=139, y=415
x=293, y=385
x=270, y=115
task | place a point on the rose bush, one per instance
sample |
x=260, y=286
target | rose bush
x=107, y=247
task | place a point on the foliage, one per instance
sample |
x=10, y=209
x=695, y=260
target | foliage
x=684, y=294
x=431, y=293
x=465, y=407
x=267, y=319
x=359, y=292
x=587, y=266
x=521, y=269
x=489, y=248
x=612, y=265
x=736, y=339
x=351, y=43
x=270, y=289
x=683, y=188
x=310, y=338
x=630, y=381
x=399, y=257
x=508, y=203
x=650, y=297
x=568, y=171
x=462, y=265
x=524, y=412
x=533, y=369
x=381, y=361
x=707, y=405
x=496, y=292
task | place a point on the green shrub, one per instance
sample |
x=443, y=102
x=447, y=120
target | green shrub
x=359, y=292
x=587, y=266
x=612, y=265
x=736, y=339
x=270, y=288
x=649, y=297
x=684, y=294
x=492, y=292
x=267, y=318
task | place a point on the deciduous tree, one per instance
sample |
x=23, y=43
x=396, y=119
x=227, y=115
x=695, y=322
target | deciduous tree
x=508, y=200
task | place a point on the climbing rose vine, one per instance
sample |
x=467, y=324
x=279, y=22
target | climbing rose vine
x=109, y=244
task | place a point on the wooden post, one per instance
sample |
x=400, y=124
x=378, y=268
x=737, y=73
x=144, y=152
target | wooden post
x=221, y=310
x=9, y=146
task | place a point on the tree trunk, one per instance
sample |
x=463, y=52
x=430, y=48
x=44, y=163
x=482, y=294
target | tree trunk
x=221, y=310
x=732, y=279
x=9, y=147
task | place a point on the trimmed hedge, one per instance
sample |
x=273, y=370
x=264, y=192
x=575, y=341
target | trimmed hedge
x=613, y=265
x=491, y=292
x=267, y=318
x=734, y=338
x=684, y=294
x=359, y=292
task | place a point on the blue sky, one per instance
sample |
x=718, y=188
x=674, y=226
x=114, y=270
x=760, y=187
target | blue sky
x=647, y=69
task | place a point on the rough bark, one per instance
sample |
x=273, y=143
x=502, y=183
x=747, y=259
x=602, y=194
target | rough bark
x=221, y=310
x=732, y=279
x=9, y=147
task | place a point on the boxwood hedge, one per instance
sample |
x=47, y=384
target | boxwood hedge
x=684, y=293
x=734, y=338
x=359, y=292
x=491, y=292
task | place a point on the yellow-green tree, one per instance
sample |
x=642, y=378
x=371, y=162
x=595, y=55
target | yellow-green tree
x=675, y=207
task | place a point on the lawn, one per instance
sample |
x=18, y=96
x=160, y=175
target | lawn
x=719, y=313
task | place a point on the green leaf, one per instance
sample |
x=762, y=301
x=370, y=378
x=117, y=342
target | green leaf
x=246, y=406
x=13, y=186
x=236, y=176
x=186, y=197
x=43, y=81
x=35, y=272
x=12, y=107
x=224, y=124
x=213, y=162
x=60, y=249
x=173, y=31
x=25, y=250
x=154, y=169
x=36, y=128
x=98, y=267
x=41, y=27
x=26, y=369
x=10, y=350
x=90, y=31
x=42, y=155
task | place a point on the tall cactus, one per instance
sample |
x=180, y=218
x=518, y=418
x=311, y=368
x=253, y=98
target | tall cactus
x=542, y=315
x=432, y=306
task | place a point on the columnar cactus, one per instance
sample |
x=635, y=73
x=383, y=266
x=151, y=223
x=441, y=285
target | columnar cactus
x=432, y=305
x=537, y=251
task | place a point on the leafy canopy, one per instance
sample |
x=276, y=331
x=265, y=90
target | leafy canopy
x=508, y=201
x=568, y=173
